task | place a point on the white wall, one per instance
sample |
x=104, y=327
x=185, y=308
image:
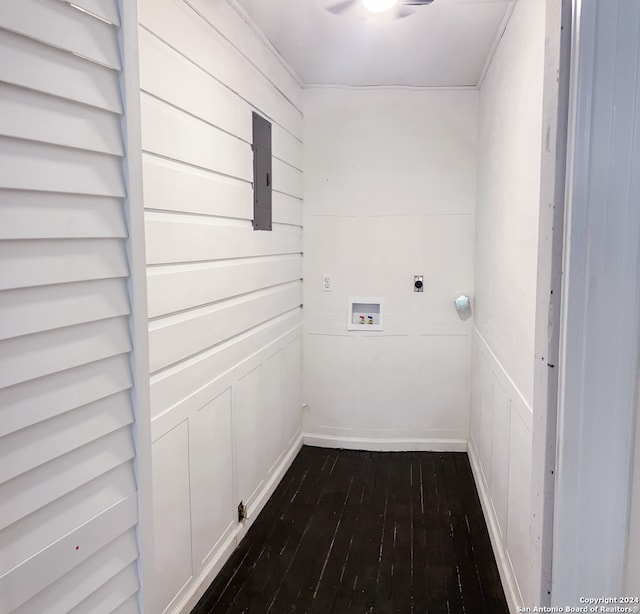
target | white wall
x=505, y=278
x=224, y=301
x=390, y=180
x=508, y=194
x=69, y=490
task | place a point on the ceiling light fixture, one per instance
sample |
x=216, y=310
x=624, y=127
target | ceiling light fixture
x=379, y=6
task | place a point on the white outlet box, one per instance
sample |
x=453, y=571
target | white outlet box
x=365, y=313
x=327, y=282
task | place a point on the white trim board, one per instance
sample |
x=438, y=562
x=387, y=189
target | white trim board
x=396, y=86
x=549, y=294
x=385, y=445
x=494, y=46
x=136, y=250
x=522, y=406
x=505, y=568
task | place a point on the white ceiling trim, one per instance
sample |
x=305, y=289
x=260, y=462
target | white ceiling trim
x=265, y=41
x=496, y=42
x=431, y=88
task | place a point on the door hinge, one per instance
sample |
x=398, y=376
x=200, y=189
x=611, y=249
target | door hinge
x=242, y=512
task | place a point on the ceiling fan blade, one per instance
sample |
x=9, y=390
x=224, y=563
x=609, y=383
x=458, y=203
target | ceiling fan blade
x=341, y=7
x=416, y=2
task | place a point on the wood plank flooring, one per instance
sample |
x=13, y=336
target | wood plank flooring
x=365, y=532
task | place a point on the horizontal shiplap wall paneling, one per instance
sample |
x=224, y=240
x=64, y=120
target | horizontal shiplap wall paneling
x=186, y=238
x=172, y=288
x=233, y=27
x=180, y=336
x=177, y=391
x=194, y=38
x=224, y=300
x=68, y=495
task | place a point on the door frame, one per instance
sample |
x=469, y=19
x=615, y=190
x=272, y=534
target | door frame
x=555, y=118
x=138, y=320
x=585, y=400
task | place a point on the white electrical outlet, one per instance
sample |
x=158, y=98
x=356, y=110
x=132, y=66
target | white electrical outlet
x=327, y=285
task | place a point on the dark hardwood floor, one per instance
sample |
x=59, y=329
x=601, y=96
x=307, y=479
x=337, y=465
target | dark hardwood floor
x=365, y=532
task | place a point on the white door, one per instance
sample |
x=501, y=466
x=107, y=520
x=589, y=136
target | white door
x=68, y=492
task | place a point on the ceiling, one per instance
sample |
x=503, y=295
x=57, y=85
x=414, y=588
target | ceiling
x=444, y=44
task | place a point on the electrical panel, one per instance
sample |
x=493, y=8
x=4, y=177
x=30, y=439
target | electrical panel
x=261, y=173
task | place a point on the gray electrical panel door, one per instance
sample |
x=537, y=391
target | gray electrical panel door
x=261, y=173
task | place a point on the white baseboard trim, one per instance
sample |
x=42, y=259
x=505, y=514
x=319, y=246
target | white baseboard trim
x=385, y=445
x=267, y=490
x=198, y=586
x=194, y=593
x=505, y=569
